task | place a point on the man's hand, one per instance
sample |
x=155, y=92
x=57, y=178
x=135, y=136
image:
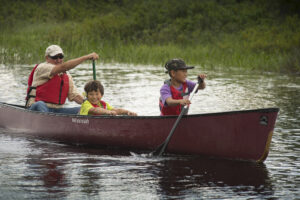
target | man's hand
x=93, y=56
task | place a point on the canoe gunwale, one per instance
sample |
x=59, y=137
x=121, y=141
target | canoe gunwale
x=262, y=110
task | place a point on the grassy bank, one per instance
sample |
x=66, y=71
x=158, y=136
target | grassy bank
x=261, y=35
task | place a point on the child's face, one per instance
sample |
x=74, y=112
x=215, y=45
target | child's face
x=94, y=97
x=180, y=75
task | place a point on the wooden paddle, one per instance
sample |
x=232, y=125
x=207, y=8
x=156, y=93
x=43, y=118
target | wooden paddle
x=94, y=70
x=161, y=148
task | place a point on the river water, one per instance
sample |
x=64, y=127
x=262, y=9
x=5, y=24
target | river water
x=31, y=168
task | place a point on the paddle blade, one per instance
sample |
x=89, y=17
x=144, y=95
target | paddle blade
x=159, y=150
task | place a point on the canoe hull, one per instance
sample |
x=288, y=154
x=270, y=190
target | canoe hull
x=242, y=135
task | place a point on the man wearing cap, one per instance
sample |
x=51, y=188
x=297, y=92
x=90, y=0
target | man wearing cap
x=49, y=84
x=174, y=93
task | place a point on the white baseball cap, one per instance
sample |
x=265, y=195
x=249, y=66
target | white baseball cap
x=53, y=50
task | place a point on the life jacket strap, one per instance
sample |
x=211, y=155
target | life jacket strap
x=28, y=96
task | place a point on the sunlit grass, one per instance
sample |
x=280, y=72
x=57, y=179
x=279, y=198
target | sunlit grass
x=27, y=46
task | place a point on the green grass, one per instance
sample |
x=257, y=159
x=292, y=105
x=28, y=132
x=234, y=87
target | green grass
x=29, y=47
x=253, y=35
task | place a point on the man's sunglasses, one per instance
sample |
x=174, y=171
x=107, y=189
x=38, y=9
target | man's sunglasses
x=60, y=56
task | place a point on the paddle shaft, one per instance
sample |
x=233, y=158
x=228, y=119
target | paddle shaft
x=161, y=148
x=94, y=70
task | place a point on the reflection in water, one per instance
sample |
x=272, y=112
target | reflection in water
x=68, y=171
x=53, y=176
x=39, y=169
x=202, y=177
x=49, y=172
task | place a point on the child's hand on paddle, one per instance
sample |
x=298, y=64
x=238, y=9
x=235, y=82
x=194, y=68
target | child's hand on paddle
x=184, y=102
x=202, y=84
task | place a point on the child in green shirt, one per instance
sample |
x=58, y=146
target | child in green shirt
x=95, y=106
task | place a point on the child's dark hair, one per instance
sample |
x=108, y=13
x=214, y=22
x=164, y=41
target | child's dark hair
x=93, y=86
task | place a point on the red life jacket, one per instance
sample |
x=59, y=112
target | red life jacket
x=102, y=103
x=53, y=91
x=176, y=94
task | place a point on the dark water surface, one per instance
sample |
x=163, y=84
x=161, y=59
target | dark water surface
x=32, y=168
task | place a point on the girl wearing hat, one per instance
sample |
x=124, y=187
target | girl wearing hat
x=174, y=92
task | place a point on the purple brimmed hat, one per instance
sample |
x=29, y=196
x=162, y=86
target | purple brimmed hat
x=176, y=64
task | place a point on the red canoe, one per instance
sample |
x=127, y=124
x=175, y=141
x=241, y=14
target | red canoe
x=244, y=135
